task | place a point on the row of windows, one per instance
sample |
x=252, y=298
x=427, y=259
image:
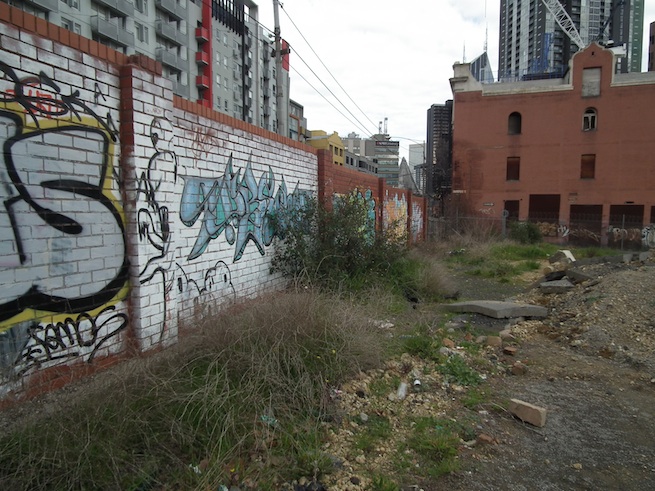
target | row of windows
x=589, y=121
x=587, y=167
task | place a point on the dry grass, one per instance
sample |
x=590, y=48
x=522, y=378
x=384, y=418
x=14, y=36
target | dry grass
x=244, y=396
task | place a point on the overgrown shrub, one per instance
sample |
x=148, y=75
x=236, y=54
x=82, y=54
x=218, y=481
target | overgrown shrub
x=336, y=246
x=524, y=232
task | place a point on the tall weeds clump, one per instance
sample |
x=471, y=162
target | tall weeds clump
x=339, y=248
x=243, y=399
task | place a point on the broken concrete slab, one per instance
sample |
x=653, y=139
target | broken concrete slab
x=558, y=286
x=527, y=412
x=498, y=309
x=577, y=276
x=555, y=275
x=562, y=256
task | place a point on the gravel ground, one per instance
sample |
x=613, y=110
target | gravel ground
x=591, y=364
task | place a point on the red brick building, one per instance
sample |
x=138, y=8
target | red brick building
x=577, y=153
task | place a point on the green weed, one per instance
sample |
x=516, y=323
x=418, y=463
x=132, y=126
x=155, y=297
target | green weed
x=372, y=432
x=455, y=370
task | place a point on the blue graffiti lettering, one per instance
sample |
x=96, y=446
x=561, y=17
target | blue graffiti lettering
x=239, y=206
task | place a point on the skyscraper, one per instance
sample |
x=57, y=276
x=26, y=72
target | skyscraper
x=438, y=149
x=533, y=44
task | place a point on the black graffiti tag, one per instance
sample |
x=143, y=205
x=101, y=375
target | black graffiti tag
x=68, y=339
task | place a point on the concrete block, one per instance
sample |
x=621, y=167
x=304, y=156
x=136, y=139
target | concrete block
x=559, y=286
x=562, y=256
x=577, y=276
x=498, y=309
x=527, y=412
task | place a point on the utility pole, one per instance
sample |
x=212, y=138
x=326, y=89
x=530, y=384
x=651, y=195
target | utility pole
x=280, y=114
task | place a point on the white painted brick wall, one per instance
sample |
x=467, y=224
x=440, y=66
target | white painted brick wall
x=69, y=270
x=167, y=285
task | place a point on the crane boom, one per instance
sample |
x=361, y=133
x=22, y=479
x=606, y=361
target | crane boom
x=563, y=19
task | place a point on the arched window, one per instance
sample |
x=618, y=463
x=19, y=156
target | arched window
x=514, y=124
x=589, y=119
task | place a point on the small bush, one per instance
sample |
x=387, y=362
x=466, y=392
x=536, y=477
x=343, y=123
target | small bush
x=525, y=232
x=338, y=246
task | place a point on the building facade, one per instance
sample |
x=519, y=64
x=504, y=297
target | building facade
x=575, y=153
x=416, y=164
x=381, y=155
x=532, y=43
x=214, y=52
x=321, y=140
x=438, y=149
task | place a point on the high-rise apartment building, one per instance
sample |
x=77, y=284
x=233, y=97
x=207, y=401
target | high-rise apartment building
x=438, y=149
x=532, y=43
x=214, y=52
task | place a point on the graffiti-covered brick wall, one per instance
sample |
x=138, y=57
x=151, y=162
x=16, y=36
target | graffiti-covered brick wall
x=392, y=207
x=126, y=213
x=204, y=189
x=63, y=249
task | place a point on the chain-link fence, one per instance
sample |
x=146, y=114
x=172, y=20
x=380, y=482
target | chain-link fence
x=623, y=232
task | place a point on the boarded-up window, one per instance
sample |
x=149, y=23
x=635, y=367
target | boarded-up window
x=588, y=166
x=591, y=82
x=513, y=168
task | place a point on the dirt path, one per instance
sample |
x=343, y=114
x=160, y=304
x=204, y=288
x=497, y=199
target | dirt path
x=600, y=428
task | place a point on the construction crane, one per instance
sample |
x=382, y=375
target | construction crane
x=563, y=19
x=601, y=30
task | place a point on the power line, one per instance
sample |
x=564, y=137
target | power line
x=326, y=100
x=361, y=125
x=324, y=66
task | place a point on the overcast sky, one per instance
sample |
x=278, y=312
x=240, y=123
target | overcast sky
x=393, y=59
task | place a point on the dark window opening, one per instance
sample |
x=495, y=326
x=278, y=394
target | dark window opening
x=588, y=166
x=513, y=168
x=512, y=208
x=514, y=124
x=544, y=208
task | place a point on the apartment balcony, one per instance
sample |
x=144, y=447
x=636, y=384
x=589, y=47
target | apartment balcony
x=109, y=30
x=170, y=59
x=176, y=10
x=47, y=5
x=202, y=82
x=202, y=34
x=121, y=7
x=170, y=32
x=202, y=58
x=181, y=90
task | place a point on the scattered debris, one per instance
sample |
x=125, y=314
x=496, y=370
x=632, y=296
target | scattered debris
x=510, y=350
x=527, y=412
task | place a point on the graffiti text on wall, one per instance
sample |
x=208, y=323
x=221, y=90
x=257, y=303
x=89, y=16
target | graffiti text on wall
x=417, y=221
x=63, y=259
x=237, y=205
x=77, y=337
x=41, y=97
x=395, y=214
